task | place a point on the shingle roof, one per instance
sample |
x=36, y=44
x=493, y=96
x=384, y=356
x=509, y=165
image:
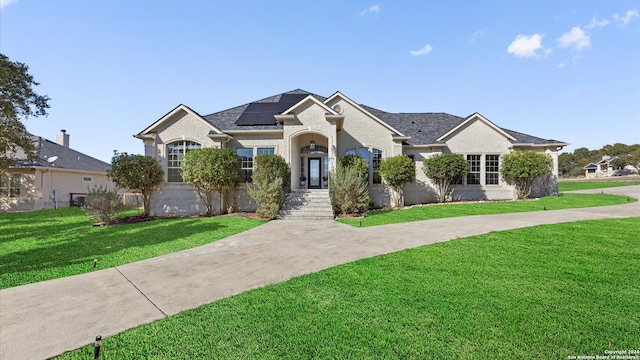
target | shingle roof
x=226, y=120
x=423, y=128
x=67, y=158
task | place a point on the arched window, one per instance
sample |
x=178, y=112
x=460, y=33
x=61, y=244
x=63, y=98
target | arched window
x=175, y=154
x=372, y=158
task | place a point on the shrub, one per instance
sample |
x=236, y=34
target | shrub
x=443, y=170
x=523, y=167
x=141, y=174
x=270, y=179
x=356, y=162
x=349, y=192
x=396, y=172
x=105, y=202
x=211, y=170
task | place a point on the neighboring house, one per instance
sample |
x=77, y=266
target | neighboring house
x=310, y=131
x=603, y=167
x=60, y=177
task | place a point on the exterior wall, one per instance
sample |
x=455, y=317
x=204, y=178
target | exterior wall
x=177, y=198
x=310, y=124
x=478, y=138
x=38, y=187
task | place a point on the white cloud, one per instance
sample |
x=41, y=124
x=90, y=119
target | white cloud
x=373, y=9
x=595, y=23
x=476, y=35
x=526, y=46
x=4, y=3
x=424, y=51
x=630, y=14
x=575, y=39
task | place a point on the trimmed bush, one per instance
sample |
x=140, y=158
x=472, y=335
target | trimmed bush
x=270, y=179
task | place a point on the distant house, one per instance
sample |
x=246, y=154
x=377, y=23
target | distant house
x=60, y=177
x=603, y=167
x=311, y=131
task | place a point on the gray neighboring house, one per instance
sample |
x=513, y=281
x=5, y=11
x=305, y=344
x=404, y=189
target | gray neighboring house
x=60, y=177
x=310, y=131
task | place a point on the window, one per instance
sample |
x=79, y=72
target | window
x=270, y=151
x=87, y=179
x=375, y=162
x=372, y=162
x=246, y=163
x=10, y=185
x=491, y=168
x=175, y=155
x=473, y=177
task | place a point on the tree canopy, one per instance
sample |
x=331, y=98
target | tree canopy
x=523, y=167
x=444, y=170
x=396, y=172
x=17, y=100
x=210, y=171
x=137, y=173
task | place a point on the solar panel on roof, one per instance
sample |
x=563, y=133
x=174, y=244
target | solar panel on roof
x=262, y=113
x=292, y=98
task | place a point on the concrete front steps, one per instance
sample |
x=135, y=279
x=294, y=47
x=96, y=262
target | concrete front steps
x=307, y=205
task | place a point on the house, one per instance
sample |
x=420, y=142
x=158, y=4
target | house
x=603, y=167
x=310, y=131
x=60, y=177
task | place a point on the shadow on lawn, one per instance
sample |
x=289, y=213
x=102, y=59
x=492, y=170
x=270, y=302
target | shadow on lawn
x=83, y=246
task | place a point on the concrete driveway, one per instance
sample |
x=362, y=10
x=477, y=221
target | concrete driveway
x=45, y=319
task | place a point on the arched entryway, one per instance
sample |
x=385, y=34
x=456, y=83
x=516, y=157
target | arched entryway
x=310, y=162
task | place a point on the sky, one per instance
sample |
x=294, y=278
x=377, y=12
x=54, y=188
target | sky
x=563, y=70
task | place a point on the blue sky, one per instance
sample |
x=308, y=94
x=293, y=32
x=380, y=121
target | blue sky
x=564, y=70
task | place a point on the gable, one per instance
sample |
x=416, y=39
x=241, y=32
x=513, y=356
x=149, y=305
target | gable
x=177, y=112
x=477, y=136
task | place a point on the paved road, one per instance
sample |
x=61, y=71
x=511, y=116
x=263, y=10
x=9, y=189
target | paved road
x=45, y=319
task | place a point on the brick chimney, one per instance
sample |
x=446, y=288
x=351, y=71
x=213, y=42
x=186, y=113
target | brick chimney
x=63, y=138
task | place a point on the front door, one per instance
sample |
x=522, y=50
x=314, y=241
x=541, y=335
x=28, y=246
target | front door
x=315, y=173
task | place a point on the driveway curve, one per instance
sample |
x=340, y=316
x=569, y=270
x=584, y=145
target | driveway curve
x=45, y=319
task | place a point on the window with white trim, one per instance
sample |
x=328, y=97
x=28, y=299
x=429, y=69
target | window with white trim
x=375, y=163
x=246, y=164
x=491, y=169
x=473, y=177
x=175, y=155
x=10, y=186
x=87, y=179
x=266, y=150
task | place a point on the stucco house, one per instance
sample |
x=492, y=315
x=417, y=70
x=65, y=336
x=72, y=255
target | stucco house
x=310, y=131
x=60, y=177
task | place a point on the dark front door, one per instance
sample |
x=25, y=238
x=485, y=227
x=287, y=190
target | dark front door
x=315, y=173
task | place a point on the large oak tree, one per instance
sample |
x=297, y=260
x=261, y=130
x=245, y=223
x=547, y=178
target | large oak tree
x=18, y=100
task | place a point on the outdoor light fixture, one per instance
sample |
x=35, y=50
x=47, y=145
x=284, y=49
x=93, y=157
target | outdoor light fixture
x=312, y=145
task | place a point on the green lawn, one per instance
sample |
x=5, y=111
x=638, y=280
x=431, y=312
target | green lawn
x=545, y=292
x=590, y=184
x=49, y=244
x=436, y=211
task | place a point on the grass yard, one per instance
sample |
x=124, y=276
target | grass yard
x=437, y=211
x=591, y=184
x=49, y=244
x=545, y=292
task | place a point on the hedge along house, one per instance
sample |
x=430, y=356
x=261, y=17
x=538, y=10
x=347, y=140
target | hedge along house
x=310, y=131
x=60, y=177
